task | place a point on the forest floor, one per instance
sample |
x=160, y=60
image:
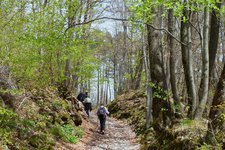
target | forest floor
x=118, y=136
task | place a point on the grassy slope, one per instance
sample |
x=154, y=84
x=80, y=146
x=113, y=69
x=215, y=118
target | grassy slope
x=39, y=119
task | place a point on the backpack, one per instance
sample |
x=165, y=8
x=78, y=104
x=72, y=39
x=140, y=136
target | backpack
x=101, y=112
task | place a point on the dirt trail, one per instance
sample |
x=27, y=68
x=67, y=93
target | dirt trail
x=118, y=136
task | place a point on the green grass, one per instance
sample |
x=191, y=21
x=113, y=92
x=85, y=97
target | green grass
x=68, y=133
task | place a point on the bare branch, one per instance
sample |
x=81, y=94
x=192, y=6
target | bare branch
x=199, y=33
x=121, y=19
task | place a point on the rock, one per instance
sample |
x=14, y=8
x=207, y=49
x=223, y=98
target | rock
x=65, y=117
x=8, y=99
x=76, y=119
x=80, y=106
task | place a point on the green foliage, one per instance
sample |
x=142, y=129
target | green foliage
x=67, y=133
x=59, y=105
x=145, y=10
x=208, y=147
x=187, y=122
x=35, y=46
x=159, y=92
x=13, y=91
x=41, y=141
x=28, y=123
x=7, y=123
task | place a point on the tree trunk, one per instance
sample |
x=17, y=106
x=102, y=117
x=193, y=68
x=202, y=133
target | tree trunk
x=187, y=63
x=213, y=48
x=148, y=87
x=205, y=67
x=218, y=99
x=98, y=88
x=213, y=39
x=115, y=83
x=171, y=47
x=67, y=74
x=136, y=80
x=216, y=111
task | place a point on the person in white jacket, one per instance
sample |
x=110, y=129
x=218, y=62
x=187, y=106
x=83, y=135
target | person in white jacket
x=87, y=106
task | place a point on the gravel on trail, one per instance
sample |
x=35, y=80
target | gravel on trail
x=118, y=136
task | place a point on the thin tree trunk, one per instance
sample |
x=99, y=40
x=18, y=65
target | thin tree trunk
x=98, y=90
x=205, y=67
x=136, y=80
x=114, y=74
x=148, y=87
x=171, y=47
x=67, y=73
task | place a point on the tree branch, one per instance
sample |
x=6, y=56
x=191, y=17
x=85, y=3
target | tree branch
x=121, y=19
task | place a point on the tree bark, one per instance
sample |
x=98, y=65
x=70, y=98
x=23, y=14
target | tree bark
x=136, y=80
x=67, y=74
x=205, y=68
x=213, y=48
x=171, y=47
x=148, y=87
x=187, y=62
x=216, y=111
x=213, y=39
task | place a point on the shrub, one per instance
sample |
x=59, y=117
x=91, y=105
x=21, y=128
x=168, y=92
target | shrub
x=7, y=123
x=68, y=133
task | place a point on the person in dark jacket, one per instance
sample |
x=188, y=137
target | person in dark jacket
x=87, y=105
x=102, y=112
x=81, y=96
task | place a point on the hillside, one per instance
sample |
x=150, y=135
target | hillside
x=183, y=134
x=39, y=119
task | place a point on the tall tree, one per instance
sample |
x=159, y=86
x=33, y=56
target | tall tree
x=186, y=49
x=205, y=67
x=214, y=38
x=171, y=47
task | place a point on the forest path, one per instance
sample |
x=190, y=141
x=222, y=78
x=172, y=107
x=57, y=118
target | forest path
x=118, y=136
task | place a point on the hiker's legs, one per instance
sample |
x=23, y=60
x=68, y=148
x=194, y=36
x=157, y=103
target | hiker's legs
x=87, y=112
x=102, y=123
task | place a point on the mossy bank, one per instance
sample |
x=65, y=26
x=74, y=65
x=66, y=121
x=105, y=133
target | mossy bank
x=184, y=134
x=38, y=119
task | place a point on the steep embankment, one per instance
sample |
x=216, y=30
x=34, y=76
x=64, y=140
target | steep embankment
x=39, y=119
x=184, y=134
x=130, y=106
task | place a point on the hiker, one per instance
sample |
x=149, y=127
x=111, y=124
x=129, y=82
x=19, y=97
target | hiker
x=102, y=112
x=86, y=94
x=87, y=105
x=81, y=96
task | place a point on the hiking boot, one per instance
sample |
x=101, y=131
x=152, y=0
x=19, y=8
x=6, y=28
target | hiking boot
x=103, y=132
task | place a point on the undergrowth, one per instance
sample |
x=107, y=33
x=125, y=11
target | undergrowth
x=41, y=121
